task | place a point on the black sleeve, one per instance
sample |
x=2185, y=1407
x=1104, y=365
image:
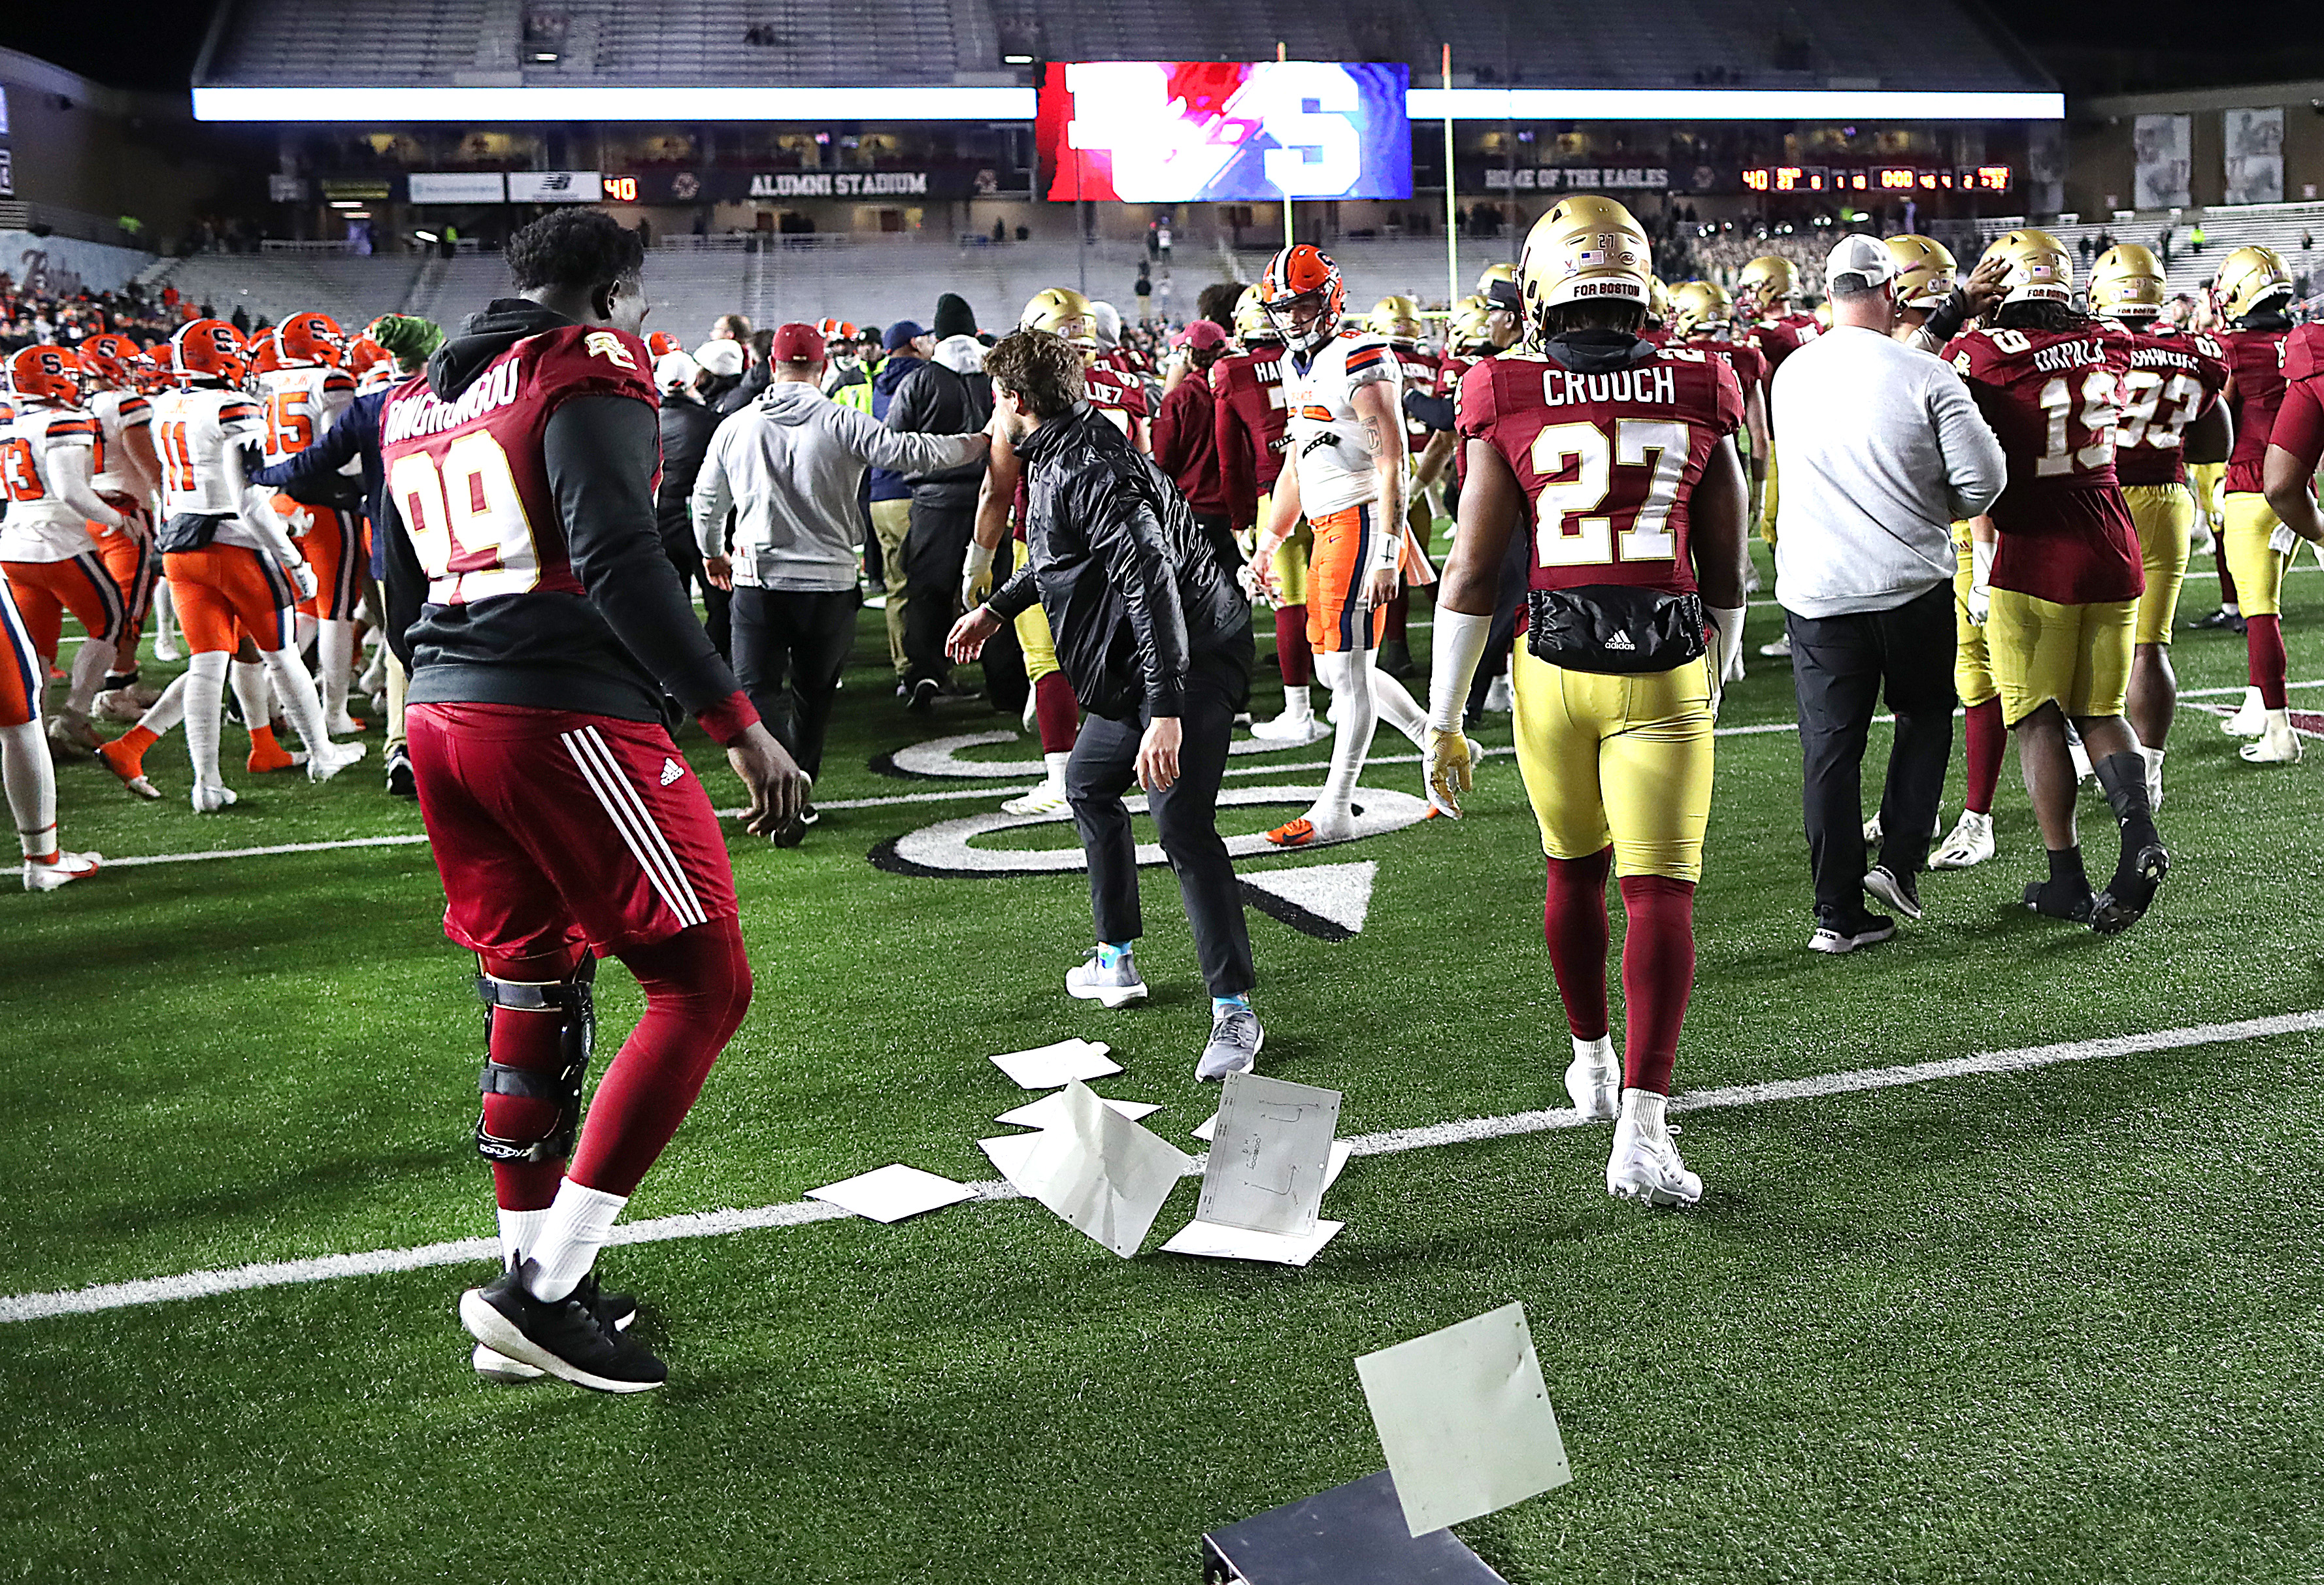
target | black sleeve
x=908, y=408
x=601, y=453
x=1019, y=595
x=1946, y=322
x=1128, y=533
x=1436, y=412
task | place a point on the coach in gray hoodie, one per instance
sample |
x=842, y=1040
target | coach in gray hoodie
x=791, y=465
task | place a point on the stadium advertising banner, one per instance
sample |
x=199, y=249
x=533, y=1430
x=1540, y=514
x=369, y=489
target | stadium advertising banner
x=2162, y=158
x=1207, y=130
x=457, y=187
x=739, y=187
x=555, y=187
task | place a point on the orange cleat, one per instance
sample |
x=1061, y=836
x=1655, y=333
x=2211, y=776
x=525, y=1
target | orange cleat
x=1298, y=833
x=266, y=754
x=125, y=756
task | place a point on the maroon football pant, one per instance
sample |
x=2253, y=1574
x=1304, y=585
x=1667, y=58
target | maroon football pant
x=558, y=833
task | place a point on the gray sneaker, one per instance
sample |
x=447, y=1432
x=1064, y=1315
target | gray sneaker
x=1110, y=988
x=1234, y=1045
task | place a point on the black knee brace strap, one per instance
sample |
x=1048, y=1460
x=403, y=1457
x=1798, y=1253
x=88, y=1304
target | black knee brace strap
x=574, y=1003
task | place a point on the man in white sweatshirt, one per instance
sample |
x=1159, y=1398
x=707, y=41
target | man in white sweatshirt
x=1883, y=449
x=791, y=466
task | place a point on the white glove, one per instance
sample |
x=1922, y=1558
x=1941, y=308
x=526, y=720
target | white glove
x=2284, y=541
x=975, y=577
x=1980, y=577
x=302, y=578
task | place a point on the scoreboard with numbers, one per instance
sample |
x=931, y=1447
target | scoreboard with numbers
x=1877, y=179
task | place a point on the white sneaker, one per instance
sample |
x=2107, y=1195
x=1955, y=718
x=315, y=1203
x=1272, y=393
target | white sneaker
x=1111, y=989
x=69, y=867
x=1045, y=799
x=343, y=726
x=1781, y=650
x=1500, y=697
x=119, y=705
x=1645, y=1165
x=2277, y=743
x=210, y=797
x=1970, y=843
x=334, y=759
x=165, y=648
x=1593, y=1079
x=2249, y=720
x=1291, y=729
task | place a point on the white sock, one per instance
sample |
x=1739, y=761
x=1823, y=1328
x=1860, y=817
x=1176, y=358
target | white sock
x=296, y=688
x=567, y=1248
x=249, y=678
x=1393, y=703
x=1643, y=1111
x=302, y=631
x=1597, y=1053
x=334, y=663
x=205, y=702
x=88, y=668
x=519, y=1231
x=1348, y=675
x=165, y=611
x=167, y=710
x=2152, y=756
x=1054, y=764
x=1296, y=701
x=32, y=778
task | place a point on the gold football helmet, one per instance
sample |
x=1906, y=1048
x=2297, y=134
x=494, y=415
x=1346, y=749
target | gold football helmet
x=1251, y=323
x=2127, y=283
x=1584, y=249
x=1766, y=284
x=1493, y=272
x=2041, y=270
x=1062, y=312
x=1927, y=271
x=2250, y=279
x=1467, y=326
x=1697, y=305
x=1658, y=301
x=1396, y=317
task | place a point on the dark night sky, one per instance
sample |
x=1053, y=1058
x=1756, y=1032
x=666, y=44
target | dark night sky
x=153, y=43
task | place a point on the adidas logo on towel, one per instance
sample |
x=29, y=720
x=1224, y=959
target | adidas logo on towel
x=1620, y=641
x=671, y=772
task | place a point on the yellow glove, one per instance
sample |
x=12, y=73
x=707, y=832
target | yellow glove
x=1451, y=768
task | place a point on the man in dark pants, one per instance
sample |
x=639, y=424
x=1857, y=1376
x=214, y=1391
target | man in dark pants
x=687, y=425
x=1156, y=639
x=946, y=395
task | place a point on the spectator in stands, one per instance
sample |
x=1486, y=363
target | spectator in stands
x=908, y=347
x=946, y=395
x=1185, y=439
x=2196, y=238
x=687, y=423
x=791, y=468
x=1143, y=290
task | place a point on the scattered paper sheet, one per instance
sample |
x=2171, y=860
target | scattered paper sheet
x=1268, y=1155
x=1208, y=1128
x=893, y=1193
x=1240, y=1243
x=1101, y=1173
x=1044, y=1067
x=1465, y=1420
x=1340, y=1150
x=1050, y=1110
x=1007, y=1153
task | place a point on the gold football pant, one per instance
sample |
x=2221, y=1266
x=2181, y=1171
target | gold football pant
x=1619, y=759
x=2165, y=516
x=1972, y=663
x=1039, y=644
x=2258, y=571
x=2076, y=657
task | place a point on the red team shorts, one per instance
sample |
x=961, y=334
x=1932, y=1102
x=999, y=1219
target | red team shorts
x=1345, y=545
x=222, y=592
x=553, y=827
x=334, y=546
x=22, y=670
x=46, y=590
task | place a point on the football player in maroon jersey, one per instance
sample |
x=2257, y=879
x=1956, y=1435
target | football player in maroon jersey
x=2058, y=572
x=2252, y=290
x=2295, y=442
x=544, y=628
x=1620, y=457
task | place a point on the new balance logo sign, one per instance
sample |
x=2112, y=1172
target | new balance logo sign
x=671, y=772
x=1620, y=641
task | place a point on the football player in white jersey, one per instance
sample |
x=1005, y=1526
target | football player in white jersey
x=47, y=459
x=303, y=398
x=233, y=571
x=128, y=478
x=1343, y=471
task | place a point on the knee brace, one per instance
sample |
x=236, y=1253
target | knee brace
x=572, y=1000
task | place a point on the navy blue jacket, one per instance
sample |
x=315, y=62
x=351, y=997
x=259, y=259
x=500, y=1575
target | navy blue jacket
x=354, y=436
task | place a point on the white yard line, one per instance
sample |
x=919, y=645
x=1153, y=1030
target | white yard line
x=194, y=1285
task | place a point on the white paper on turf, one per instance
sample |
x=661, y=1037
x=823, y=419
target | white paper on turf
x=1044, y=1067
x=893, y=1193
x=1210, y=1126
x=1268, y=1155
x=1240, y=1243
x=1465, y=1420
x=1050, y=1110
x=1008, y=1152
x=1101, y=1173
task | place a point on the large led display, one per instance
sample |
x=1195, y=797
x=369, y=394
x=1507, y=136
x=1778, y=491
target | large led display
x=1209, y=131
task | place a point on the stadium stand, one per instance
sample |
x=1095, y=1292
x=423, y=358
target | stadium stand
x=269, y=285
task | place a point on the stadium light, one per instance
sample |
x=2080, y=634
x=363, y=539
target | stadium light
x=1728, y=105
x=606, y=103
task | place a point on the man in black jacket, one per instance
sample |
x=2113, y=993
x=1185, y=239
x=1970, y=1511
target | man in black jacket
x=939, y=397
x=1156, y=642
x=687, y=425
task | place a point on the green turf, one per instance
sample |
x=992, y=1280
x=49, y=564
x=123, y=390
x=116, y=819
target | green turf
x=2060, y=1325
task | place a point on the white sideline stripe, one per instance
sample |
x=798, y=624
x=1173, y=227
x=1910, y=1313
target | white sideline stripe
x=702, y=1224
x=990, y=790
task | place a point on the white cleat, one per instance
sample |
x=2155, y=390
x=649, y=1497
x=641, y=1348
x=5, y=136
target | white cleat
x=2277, y=743
x=1291, y=729
x=1593, y=1080
x=119, y=705
x=1970, y=843
x=1111, y=989
x=68, y=868
x=2249, y=720
x=1781, y=650
x=165, y=648
x=1047, y=798
x=1874, y=830
x=1500, y=697
x=343, y=726
x=335, y=757
x=1645, y=1165
x=70, y=735
x=210, y=797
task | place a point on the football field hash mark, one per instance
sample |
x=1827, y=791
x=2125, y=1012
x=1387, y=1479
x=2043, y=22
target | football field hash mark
x=702, y=1224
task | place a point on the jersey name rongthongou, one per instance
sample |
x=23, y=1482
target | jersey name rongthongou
x=1327, y=440
x=468, y=476
x=1608, y=463
x=2173, y=381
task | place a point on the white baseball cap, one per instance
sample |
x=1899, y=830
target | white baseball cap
x=675, y=368
x=724, y=358
x=1868, y=258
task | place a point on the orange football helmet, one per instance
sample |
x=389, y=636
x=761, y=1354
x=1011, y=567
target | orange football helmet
x=311, y=339
x=364, y=355
x=1303, y=296
x=207, y=349
x=44, y=373
x=661, y=343
x=262, y=354
x=102, y=371
x=112, y=345
x=155, y=368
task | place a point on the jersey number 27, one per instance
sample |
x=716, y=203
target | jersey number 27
x=1569, y=530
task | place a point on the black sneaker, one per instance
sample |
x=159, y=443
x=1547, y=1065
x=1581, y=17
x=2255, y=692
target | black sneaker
x=2219, y=620
x=1841, y=936
x=923, y=696
x=619, y=1311
x=2060, y=899
x=2131, y=892
x=1900, y=893
x=400, y=783
x=568, y=1338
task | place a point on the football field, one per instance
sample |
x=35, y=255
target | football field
x=1980, y=1289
